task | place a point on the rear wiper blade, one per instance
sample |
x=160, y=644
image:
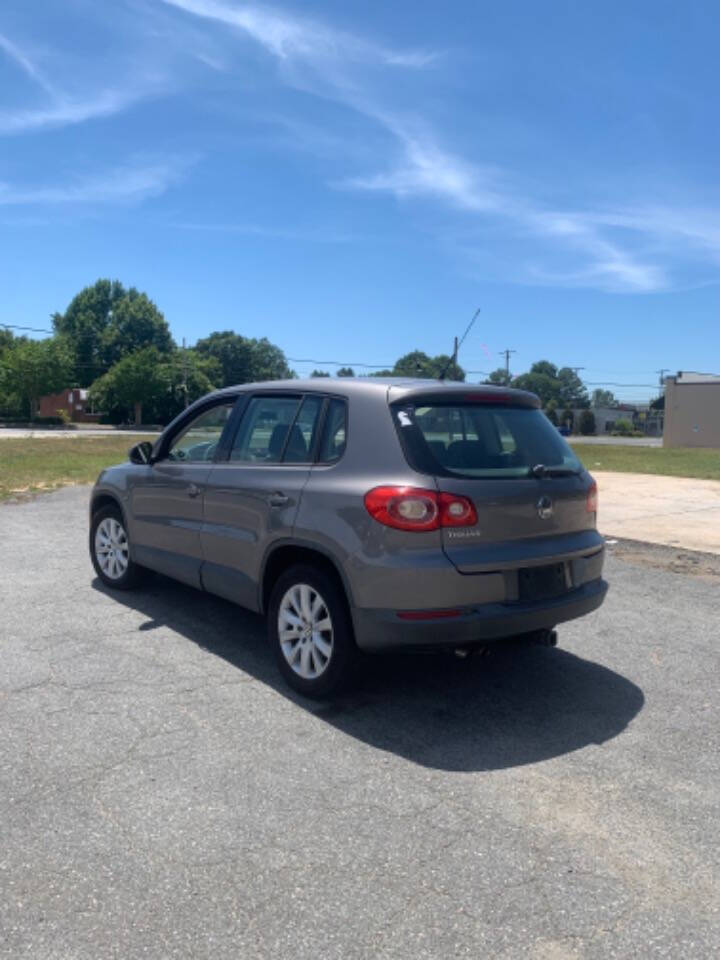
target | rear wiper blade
x=540, y=470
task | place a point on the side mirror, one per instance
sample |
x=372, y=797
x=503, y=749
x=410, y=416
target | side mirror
x=141, y=453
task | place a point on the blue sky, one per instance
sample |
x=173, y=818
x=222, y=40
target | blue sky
x=352, y=180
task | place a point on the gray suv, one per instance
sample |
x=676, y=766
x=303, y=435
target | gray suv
x=361, y=515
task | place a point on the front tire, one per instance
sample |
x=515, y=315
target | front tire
x=110, y=549
x=310, y=629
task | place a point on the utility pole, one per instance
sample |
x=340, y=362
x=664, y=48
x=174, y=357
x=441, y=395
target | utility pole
x=457, y=344
x=506, y=353
x=662, y=373
x=184, y=383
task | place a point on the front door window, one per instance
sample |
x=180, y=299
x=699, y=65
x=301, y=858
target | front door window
x=198, y=441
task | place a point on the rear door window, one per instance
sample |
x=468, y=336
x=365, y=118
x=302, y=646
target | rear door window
x=278, y=429
x=479, y=440
x=264, y=430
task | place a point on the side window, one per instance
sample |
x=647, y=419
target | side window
x=301, y=442
x=334, y=435
x=199, y=439
x=264, y=430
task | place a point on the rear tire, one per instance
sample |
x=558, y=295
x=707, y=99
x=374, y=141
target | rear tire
x=310, y=629
x=110, y=549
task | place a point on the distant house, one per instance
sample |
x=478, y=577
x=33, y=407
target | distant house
x=73, y=400
x=692, y=410
x=607, y=417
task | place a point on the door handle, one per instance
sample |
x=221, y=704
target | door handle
x=193, y=490
x=278, y=499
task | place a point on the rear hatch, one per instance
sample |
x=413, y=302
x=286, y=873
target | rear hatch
x=500, y=451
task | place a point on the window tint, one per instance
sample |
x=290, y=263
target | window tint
x=199, y=440
x=302, y=435
x=264, y=430
x=332, y=443
x=482, y=441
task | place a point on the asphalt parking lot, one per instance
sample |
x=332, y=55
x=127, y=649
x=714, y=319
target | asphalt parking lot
x=162, y=795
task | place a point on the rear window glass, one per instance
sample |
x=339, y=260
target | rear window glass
x=474, y=440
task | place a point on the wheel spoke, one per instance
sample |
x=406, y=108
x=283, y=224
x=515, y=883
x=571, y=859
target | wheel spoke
x=305, y=605
x=322, y=645
x=305, y=661
x=292, y=620
x=317, y=661
x=322, y=626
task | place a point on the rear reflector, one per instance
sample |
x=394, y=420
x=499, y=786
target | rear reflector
x=591, y=504
x=428, y=614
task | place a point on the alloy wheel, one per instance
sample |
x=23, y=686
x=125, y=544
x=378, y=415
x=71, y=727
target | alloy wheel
x=306, y=631
x=111, y=548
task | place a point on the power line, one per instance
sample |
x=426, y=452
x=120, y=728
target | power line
x=343, y=363
x=13, y=326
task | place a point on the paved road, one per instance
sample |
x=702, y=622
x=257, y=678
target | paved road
x=619, y=441
x=163, y=796
x=12, y=433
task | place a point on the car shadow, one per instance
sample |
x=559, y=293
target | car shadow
x=519, y=704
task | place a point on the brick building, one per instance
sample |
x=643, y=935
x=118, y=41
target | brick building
x=73, y=400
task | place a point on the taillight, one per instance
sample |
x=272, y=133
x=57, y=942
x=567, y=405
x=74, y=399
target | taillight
x=591, y=504
x=412, y=508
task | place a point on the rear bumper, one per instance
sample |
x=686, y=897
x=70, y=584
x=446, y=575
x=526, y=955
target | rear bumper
x=384, y=629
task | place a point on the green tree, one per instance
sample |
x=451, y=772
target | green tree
x=186, y=376
x=544, y=386
x=572, y=392
x=32, y=368
x=6, y=339
x=563, y=385
x=418, y=364
x=154, y=387
x=319, y=373
x=243, y=359
x=568, y=419
x=546, y=368
x=603, y=398
x=500, y=377
x=105, y=322
x=587, y=423
x=345, y=372
x=84, y=324
x=139, y=379
x=135, y=324
x=551, y=412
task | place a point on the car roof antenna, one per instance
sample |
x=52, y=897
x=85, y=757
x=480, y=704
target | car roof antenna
x=453, y=359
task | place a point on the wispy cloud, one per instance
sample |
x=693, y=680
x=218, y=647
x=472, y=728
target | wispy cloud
x=288, y=37
x=63, y=109
x=328, y=61
x=13, y=51
x=65, y=113
x=123, y=184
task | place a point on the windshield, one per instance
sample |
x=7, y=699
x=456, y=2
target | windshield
x=475, y=440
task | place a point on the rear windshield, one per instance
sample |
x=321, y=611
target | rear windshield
x=474, y=440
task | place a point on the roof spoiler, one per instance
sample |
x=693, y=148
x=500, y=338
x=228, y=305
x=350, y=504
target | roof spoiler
x=482, y=394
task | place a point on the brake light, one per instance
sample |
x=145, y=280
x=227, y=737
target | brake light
x=412, y=508
x=591, y=504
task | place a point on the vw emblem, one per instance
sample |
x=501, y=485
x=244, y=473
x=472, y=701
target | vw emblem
x=545, y=508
